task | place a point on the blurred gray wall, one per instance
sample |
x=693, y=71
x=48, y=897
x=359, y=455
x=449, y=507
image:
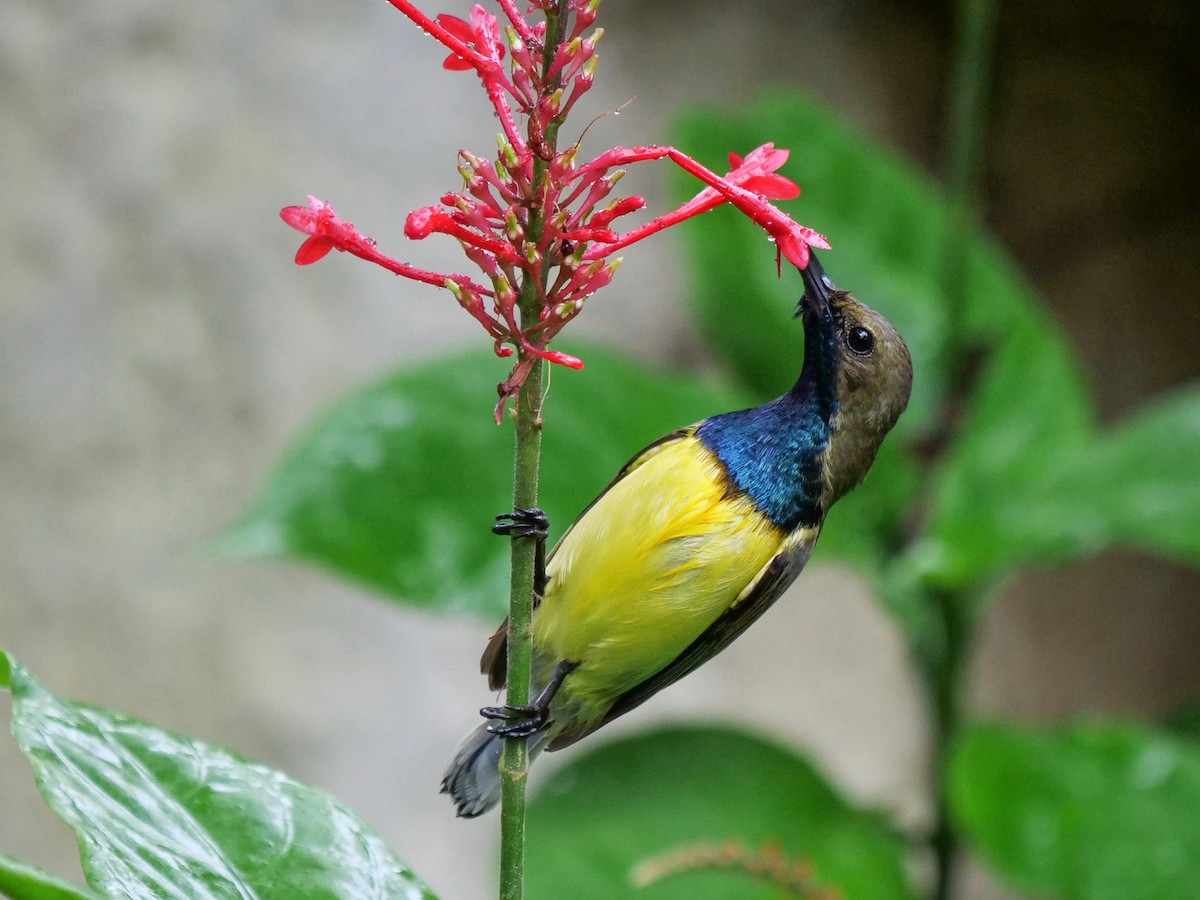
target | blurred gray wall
x=158, y=349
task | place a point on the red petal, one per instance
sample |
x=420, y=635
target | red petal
x=794, y=249
x=299, y=217
x=457, y=27
x=456, y=63
x=312, y=250
x=734, y=161
x=773, y=187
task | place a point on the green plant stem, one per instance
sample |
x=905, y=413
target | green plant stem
x=966, y=128
x=966, y=132
x=944, y=680
x=514, y=762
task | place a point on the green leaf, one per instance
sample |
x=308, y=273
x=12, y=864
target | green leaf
x=1137, y=484
x=20, y=881
x=1184, y=721
x=1099, y=811
x=397, y=485
x=1027, y=477
x=159, y=815
x=1140, y=482
x=888, y=224
x=632, y=800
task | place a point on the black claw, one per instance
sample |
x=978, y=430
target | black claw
x=523, y=523
x=533, y=717
x=508, y=713
x=525, y=720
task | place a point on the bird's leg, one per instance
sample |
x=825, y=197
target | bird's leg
x=528, y=523
x=529, y=720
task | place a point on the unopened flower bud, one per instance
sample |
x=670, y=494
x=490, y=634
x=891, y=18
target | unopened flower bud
x=508, y=153
x=512, y=228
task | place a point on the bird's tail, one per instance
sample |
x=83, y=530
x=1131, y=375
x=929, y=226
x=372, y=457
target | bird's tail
x=473, y=777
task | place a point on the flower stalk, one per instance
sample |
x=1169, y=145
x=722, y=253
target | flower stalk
x=542, y=229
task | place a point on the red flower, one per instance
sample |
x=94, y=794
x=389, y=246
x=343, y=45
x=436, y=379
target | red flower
x=482, y=34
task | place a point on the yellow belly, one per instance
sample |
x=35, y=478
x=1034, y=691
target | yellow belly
x=645, y=571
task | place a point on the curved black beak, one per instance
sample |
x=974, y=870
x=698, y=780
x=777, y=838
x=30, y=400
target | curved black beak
x=817, y=285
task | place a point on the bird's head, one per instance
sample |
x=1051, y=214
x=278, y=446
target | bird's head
x=869, y=367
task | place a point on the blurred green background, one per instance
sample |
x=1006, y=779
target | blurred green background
x=158, y=350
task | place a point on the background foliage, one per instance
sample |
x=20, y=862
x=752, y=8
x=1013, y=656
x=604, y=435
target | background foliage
x=1026, y=477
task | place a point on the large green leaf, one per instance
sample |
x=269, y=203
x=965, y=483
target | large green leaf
x=1026, y=477
x=685, y=789
x=1136, y=484
x=159, y=815
x=397, y=485
x=19, y=881
x=886, y=222
x=888, y=225
x=1094, y=812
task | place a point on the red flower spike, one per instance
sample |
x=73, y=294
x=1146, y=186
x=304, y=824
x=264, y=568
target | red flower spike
x=572, y=255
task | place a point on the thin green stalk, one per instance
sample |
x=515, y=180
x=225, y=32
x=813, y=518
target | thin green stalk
x=944, y=682
x=966, y=129
x=514, y=763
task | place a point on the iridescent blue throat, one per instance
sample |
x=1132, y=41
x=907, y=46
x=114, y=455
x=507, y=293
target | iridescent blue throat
x=774, y=452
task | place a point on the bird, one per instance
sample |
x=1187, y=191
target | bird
x=692, y=541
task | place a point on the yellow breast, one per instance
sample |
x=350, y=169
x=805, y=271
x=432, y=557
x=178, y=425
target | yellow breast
x=653, y=562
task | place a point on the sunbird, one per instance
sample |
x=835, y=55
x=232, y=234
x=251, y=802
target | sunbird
x=691, y=542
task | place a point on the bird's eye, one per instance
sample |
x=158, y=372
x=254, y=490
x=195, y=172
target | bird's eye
x=860, y=340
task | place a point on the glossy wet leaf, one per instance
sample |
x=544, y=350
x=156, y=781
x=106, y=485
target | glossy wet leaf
x=1027, y=477
x=398, y=484
x=1135, y=484
x=20, y=881
x=888, y=224
x=160, y=815
x=1098, y=811
x=631, y=800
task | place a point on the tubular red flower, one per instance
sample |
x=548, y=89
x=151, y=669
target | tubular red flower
x=327, y=232
x=757, y=169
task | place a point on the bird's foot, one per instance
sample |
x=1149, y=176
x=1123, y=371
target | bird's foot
x=522, y=721
x=523, y=523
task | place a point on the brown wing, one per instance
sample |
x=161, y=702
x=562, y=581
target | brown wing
x=494, y=663
x=775, y=578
